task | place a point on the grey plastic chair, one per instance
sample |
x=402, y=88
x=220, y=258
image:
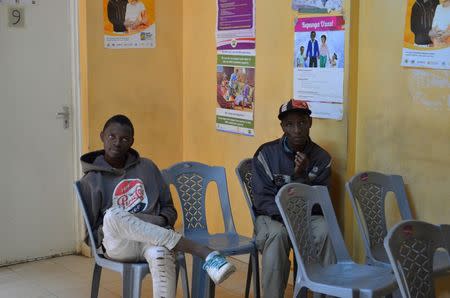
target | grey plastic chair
x=244, y=174
x=410, y=246
x=343, y=279
x=132, y=273
x=367, y=192
x=191, y=180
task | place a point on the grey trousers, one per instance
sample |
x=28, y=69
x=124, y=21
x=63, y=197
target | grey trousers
x=273, y=241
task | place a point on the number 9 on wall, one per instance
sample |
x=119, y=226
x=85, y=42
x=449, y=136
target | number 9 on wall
x=16, y=16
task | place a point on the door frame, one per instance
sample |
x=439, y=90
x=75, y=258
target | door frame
x=74, y=6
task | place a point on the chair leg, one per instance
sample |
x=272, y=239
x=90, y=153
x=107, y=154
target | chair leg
x=211, y=289
x=295, y=270
x=200, y=279
x=249, y=277
x=300, y=293
x=131, y=282
x=96, y=280
x=255, y=269
x=181, y=266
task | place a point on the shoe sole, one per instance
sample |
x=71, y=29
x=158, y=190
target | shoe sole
x=226, y=275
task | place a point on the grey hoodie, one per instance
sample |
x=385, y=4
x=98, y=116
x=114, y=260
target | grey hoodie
x=138, y=188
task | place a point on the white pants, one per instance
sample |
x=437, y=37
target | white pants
x=129, y=239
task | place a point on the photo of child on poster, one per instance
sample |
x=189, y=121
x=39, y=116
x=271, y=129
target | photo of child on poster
x=440, y=27
x=129, y=23
x=319, y=49
x=317, y=6
x=427, y=34
x=235, y=88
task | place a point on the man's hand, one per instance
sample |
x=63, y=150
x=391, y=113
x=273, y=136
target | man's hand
x=153, y=219
x=301, y=163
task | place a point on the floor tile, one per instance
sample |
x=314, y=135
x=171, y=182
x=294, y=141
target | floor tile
x=7, y=275
x=24, y=289
x=84, y=292
x=70, y=277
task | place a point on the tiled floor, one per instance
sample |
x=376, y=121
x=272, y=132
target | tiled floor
x=70, y=276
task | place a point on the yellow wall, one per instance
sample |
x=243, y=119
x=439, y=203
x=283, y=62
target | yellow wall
x=145, y=84
x=274, y=43
x=403, y=115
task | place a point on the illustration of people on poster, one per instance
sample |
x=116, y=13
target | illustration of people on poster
x=319, y=64
x=129, y=24
x=317, y=6
x=427, y=34
x=235, y=44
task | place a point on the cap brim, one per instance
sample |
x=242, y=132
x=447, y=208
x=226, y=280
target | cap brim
x=302, y=111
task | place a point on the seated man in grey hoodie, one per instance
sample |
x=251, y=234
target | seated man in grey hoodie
x=132, y=212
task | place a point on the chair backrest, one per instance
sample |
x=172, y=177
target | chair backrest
x=77, y=187
x=244, y=174
x=295, y=202
x=367, y=191
x=410, y=246
x=191, y=180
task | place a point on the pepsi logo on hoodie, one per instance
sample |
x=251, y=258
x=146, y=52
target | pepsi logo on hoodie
x=130, y=195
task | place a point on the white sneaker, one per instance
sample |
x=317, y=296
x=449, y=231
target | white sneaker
x=218, y=267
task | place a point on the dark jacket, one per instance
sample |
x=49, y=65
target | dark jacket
x=137, y=188
x=116, y=14
x=273, y=166
x=422, y=15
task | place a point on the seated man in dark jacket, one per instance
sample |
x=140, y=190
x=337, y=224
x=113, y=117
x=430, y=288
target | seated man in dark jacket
x=132, y=213
x=292, y=158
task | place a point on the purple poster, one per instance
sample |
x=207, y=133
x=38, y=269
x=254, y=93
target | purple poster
x=234, y=15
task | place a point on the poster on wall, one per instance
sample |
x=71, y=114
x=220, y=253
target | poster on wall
x=129, y=24
x=235, y=18
x=317, y=6
x=426, y=41
x=235, y=72
x=319, y=64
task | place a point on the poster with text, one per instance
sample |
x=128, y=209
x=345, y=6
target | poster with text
x=235, y=93
x=319, y=64
x=235, y=73
x=235, y=18
x=426, y=41
x=129, y=24
x=317, y=6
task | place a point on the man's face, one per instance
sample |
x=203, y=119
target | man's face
x=313, y=35
x=117, y=140
x=296, y=128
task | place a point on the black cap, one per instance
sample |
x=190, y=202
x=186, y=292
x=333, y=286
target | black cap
x=293, y=105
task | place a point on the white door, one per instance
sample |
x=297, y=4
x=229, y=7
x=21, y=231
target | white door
x=37, y=213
